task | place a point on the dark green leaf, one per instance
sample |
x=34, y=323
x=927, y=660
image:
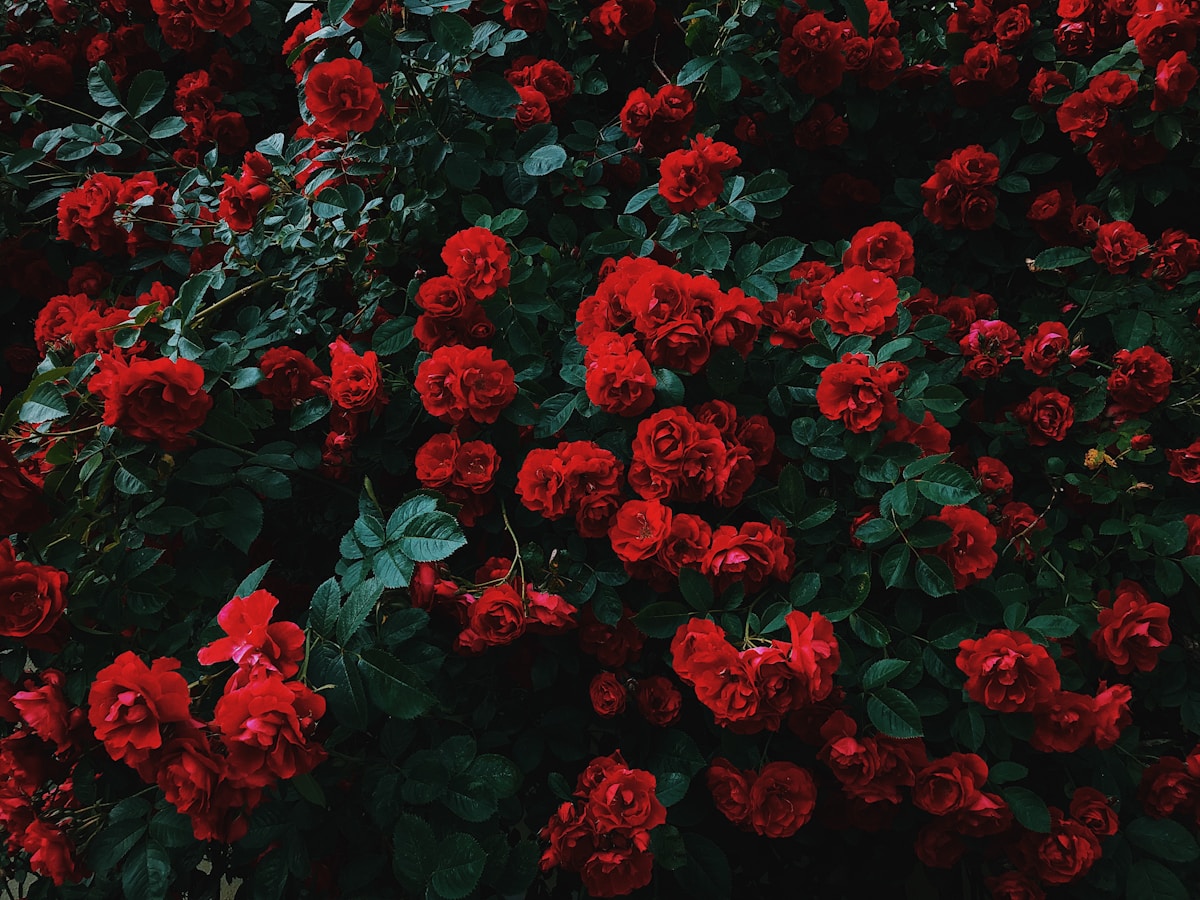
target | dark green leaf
x=1061, y=258
x=145, y=92
x=1163, y=838
x=394, y=687
x=1028, y=808
x=357, y=607
x=894, y=714
x=456, y=870
x=661, y=619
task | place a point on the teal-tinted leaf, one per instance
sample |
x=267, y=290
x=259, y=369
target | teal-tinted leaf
x=696, y=590
x=456, y=870
x=933, y=576
x=948, y=485
x=544, y=160
x=451, y=32
x=145, y=92
x=1028, y=808
x=894, y=714
x=414, y=849
x=1164, y=838
x=661, y=619
x=394, y=687
x=146, y=875
x=489, y=94
x=1061, y=258
x=1053, y=626
x=325, y=606
x=45, y=404
x=431, y=537
x=894, y=564
x=883, y=671
x=1150, y=880
x=168, y=127
x=102, y=87
x=357, y=607
x=250, y=583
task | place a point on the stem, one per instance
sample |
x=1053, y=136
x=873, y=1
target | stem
x=236, y=295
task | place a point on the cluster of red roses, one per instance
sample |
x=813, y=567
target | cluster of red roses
x=354, y=387
x=464, y=472
x=818, y=52
x=755, y=688
x=88, y=215
x=543, y=87
x=1170, y=786
x=613, y=22
x=37, y=762
x=197, y=94
x=1007, y=672
x=775, y=802
x=261, y=729
x=676, y=320
x=243, y=198
x=477, y=266
x=498, y=612
x=577, y=478
x=658, y=122
x=158, y=401
x=693, y=179
x=604, y=834
x=658, y=701
x=986, y=71
x=180, y=20
x=958, y=195
x=84, y=322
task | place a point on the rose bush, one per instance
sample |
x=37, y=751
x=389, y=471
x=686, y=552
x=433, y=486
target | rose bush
x=502, y=448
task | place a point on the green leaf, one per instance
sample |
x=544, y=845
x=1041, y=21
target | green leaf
x=1150, y=880
x=499, y=773
x=394, y=687
x=168, y=127
x=325, y=606
x=339, y=8
x=414, y=849
x=640, y=199
x=357, y=607
x=671, y=787
x=804, y=589
x=706, y=876
x=933, y=576
x=780, y=255
x=1164, y=838
x=45, y=404
x=856, y=12
x=695, y=69
x=1053, y=626
x=894, y=564
x=451, y=32
x=555, y=412
x=460, y=861
x=250, y=583
x=1168, y=130
x=347, y=699
x=711, y=252
x=894, y=714
x=102, y=87
x=696, y=589
x=875, y=531
x=948, y=485
x=1061, y=258
x=431, y=537
x=661, y=619
x=544, y=160
x=1028, y=808
x=171, y=829
x=146, y=875
x=883, y=671
x=490, y=95
x=145, y=92
x=113, y=841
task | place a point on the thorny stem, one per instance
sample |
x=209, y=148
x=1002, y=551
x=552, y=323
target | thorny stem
x=236, y=295
x=517, y=562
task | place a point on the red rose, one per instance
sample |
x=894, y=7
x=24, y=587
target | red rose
x=342, y=96
x=45, y=710
x=130, y=703
x=1118, y=245
x=730, y=788
x=478, y=260
x=949, y=784
x=855, y=393
x=750, y=555
x=987, y=347
x=971, y=551
x=619, y=379
x=532, y=109
x=1185, y=463
x=625, y=801
x=475, y=467
x=1064, y=723
x=1173, y=80
x=1046, y=348
x=527, y=15
x=1139, y=380
x=85, y=215
x=1192, y=521
x=288, y=377
x=457, y=383
x=860, y=301
x=639, y=529
x=691, y=179
x=355, y=383
x=1133, y=631
x=497, y=616
x=884, y=247
x=659, y=702
x=226, y=16
x=1110, y=712
x=619, y=870
x=1167, y=787
x=938, y=845
x=253, y=642
x=1014, y=886
x=266, y=727
x=1093, y=809
x=52, y=853
x=1007, y=672
x=993, y=476
x=782, y=800
x=22, y=507
x=814, y=656
x=240, y=201
x=608, y=695
x=1063, y=856
x=1047, y=416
